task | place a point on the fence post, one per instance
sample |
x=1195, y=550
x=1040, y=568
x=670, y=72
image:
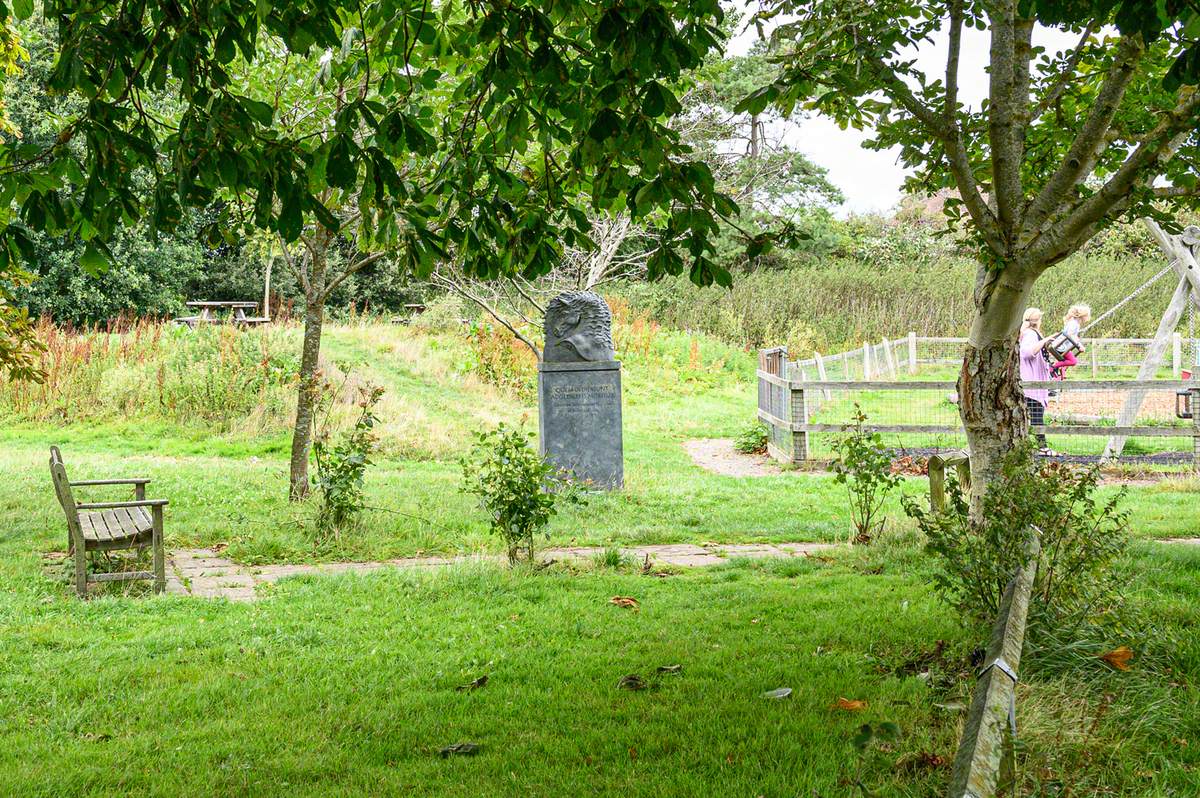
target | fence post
x=912, y=352
x=866, y=361
x=1176, y=354
x=821, y=372
x=985, y=752
x=1195, y=405
x=799, y=415
x=1094, y=350
x=888, y=358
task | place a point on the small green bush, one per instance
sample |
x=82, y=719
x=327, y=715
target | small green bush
x=1081, y=539
x=752, y=438
x=518, y=488
x=864, y=466
x=341, y=468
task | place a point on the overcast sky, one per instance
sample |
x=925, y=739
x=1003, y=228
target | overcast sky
x=871, y=180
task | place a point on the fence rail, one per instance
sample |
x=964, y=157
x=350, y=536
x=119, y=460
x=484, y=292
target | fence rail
x=802, y=410
x=985, y=762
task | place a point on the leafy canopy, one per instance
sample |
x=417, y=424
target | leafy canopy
x=473, y=130
x=1066, y=143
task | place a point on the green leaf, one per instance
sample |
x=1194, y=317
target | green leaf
x=260, y=112
x=22, y=9
x=94, y=260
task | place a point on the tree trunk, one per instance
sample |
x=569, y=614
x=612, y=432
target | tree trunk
x=990, y=400
x=306, y=400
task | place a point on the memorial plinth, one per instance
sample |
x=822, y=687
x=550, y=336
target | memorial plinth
x=580, y=420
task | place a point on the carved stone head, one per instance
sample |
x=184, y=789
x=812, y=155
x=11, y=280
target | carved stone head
x=578, y=329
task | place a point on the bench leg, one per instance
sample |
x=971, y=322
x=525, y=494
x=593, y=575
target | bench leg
x=81, y=571
x=160, y=565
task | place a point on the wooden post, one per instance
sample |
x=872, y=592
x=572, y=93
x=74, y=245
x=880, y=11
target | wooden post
x=821, y=373
x=986, y=747
x=866, y=361
x=845, y=356
x=912, y=353
x=1195, y=404
x=1176, y=354
x=1094, y=351
x=1149, y=367
x=889, y=358
x=937, y=484
x=799, y=416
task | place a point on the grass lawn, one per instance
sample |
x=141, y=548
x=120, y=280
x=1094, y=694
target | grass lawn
x=346, y=685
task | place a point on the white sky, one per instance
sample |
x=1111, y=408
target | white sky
x=871, y=180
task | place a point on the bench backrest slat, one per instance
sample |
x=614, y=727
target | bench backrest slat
x=62, y=489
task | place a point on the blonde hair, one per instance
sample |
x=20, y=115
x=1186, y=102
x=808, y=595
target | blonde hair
x=1027, y=322
x=1081, y=312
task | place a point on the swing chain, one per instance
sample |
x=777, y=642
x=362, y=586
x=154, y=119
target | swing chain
x=1136, y=293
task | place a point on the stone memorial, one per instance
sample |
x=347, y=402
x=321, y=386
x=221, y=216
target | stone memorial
x=579, y=391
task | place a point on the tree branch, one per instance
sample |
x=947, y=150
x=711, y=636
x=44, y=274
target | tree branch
x=1068, y=71
x=1092, y=139
x=354, y=268
x=446, y=282
x=1142, y=166
x=950, y=112
x=956, y=151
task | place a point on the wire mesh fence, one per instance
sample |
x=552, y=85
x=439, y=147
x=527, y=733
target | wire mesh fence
x=906, y=388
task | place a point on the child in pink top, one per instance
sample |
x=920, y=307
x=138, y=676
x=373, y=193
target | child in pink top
x=1076, y=317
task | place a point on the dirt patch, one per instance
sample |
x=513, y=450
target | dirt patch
x=718, y=456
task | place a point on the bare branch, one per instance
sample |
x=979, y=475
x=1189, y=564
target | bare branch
x=446, y=282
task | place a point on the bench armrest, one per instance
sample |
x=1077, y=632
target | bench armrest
x=122, y=481
x=117, y=505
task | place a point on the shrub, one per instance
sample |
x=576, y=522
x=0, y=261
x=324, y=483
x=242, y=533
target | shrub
x=341, y=468
x=864, y=466
x=443, y=314
x=1081, y=538
x=517, y=487
x=499, y=358
x=752, y=438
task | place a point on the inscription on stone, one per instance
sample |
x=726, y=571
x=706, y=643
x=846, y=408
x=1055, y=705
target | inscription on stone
x=579, y=398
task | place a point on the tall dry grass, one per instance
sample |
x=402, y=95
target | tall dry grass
x=149, y=369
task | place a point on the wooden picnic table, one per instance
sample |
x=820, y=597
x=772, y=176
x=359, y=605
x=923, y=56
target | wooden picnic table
x=209, y=308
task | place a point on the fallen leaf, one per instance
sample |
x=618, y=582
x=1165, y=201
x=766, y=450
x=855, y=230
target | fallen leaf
x=633, y=754
x=850, y=705
x=777, y=693
x=628, y=602
x=631, y=682
x=924, y=760
x=219, y=547
x=1119, y=657
x=669, y=668
x=475, y=684
x=953, y=706
x=460, y=749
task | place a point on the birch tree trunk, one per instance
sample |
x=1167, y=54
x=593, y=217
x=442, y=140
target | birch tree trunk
x=990, y=399
x=314, y=318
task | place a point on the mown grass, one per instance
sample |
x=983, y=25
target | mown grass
x=345, y=685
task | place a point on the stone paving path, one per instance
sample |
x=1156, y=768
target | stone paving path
x=204, y=573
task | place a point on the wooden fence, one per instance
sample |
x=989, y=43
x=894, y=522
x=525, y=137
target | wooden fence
x=788, y=406
x=892, y=358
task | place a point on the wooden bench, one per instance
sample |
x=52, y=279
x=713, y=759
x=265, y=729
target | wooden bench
x=110, y=526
